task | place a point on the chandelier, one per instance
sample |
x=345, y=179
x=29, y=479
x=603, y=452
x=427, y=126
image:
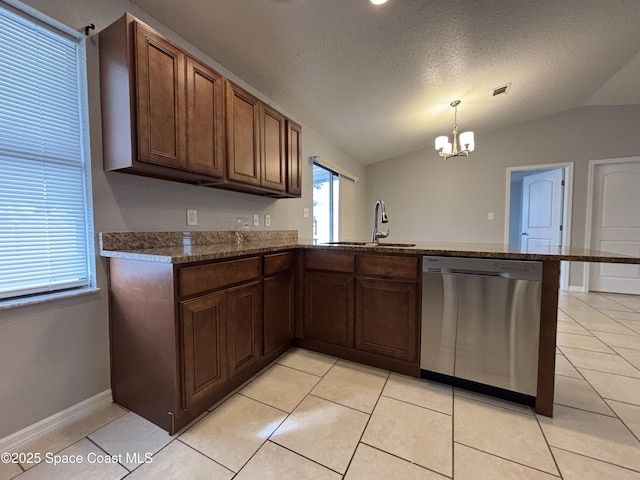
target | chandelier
x=467, y=144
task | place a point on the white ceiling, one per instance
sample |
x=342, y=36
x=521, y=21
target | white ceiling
x=377, y=81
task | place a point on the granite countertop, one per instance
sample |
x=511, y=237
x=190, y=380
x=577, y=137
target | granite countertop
x=187, y=247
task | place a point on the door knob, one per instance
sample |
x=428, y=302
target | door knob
x=524, y=233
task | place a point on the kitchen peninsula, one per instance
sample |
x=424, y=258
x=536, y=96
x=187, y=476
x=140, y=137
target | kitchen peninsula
x=193, y=315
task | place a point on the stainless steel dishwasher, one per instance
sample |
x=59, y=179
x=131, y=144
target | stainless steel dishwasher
x=480, y=324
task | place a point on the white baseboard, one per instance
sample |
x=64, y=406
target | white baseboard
x=577, y=288
x=56, y=421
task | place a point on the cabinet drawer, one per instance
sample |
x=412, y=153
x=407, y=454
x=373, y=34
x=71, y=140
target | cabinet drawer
x=388, y=266
x=216, y=275
x=278, y=262
x=332, y=261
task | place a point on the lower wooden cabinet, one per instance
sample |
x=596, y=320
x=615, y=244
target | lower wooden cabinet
x=329, y=307
x=278, y=311
x=386, y=319
x=244, y=317
x=204, y=346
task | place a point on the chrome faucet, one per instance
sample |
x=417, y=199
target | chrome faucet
x=375, y=234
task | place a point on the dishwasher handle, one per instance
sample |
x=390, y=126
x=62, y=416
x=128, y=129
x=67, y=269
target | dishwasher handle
x=457, y=271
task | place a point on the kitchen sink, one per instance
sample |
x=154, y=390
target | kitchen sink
x=373, y=244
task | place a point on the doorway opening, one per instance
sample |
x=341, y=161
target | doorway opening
x=538, y=209
x=325, y=204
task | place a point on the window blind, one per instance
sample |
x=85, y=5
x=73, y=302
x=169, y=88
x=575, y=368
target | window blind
x=43, y=210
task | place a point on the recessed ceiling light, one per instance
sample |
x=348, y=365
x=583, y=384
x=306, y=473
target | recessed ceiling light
x=378, y=2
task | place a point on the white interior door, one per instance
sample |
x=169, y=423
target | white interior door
x=542, y=211
x=616, y=225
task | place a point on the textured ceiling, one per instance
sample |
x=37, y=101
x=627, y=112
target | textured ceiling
x=377, y=80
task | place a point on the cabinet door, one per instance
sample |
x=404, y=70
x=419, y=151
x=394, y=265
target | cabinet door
x=244, y=320
x=278, y=311
x=204, y=352
x=205, y=127
x=329, y=310
x=160, y=72
x=272, y=158
x=243, y=140
x=387, y=317
x=294, y=159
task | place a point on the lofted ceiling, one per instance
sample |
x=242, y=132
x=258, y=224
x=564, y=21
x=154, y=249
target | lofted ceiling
x=377, y=81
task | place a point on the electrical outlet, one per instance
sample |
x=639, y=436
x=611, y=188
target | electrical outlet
x=305, y=212
x=256, y=220
x=192, y=216
x=490, y=216
x=267, y=220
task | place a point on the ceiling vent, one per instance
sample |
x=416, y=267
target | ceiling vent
x=503, y=90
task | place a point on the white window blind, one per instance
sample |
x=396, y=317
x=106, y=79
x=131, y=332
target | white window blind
x=43, y=210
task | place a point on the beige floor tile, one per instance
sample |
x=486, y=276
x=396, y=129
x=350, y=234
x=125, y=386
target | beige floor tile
x=578, y=467
x=472, y=464
x=598, y=436
x=421, y=392
x=307, y=361
x=577, y=393
x=281, y=387
x=630, y=301
x=351, y=388
x=322, y=431
x=518, y=438
x=629, y=315
x=631, y=340
x=564, y=367
x=602, y=362
x=633, y=325
x=629, y=414
x=372, y=464
x=599, y=301
x=572, y=327
x=231, y=434
x=614, y=387
x=178, y=461
x=416, y=434
x=132, y=437
x=581, y=341
x=60, y=439
x=363, y=368
x=498, y=402
x=631, y=356
x=88, y=468
x=597, y=321
x=9, y=470
x=272, y=462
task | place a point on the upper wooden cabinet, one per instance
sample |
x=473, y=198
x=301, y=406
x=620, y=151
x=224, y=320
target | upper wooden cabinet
x=294, y=159
x=205, y=121
x=167, y=115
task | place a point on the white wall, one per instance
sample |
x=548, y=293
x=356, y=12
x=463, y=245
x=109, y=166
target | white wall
x=431, y=199
x=55, y=355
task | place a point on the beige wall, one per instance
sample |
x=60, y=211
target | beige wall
x=431, y=199
x=56, y=354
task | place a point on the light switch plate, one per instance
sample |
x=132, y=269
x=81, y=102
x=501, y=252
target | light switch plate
x=192, y=216
x=490, y=216
x=305, y=212
x=267, y=220
x=256, y=220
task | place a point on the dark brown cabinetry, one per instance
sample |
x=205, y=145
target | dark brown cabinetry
x=278, y=301
x=294, y=159
x=367, y=303
x=167, y=115
x=182, y=337
x=203, y=324
x=205, y=121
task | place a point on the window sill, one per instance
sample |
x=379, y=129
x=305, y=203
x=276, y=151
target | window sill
x=47, y=297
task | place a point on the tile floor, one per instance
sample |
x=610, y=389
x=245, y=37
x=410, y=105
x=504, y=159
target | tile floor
x=310, y=416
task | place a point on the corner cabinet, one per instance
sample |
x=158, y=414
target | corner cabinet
x=184, y=336
x=165, y=114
